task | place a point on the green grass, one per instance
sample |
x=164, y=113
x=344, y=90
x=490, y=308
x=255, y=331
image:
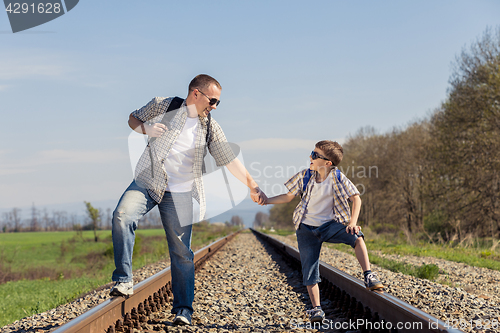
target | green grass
x=470, y=256
x=429, y=272
x=479, y=256
x=73, y=265
x=27, y=297
x=46, y=249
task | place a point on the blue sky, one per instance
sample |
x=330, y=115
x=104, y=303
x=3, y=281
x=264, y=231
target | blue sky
x=292, y=73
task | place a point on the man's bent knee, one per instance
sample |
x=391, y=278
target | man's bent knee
x=121, y=218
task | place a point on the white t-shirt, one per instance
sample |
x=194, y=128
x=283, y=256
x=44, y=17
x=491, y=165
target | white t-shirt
x=180, y=160
x=320, y=207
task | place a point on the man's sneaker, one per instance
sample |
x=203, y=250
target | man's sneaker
x=122, y=289
x=372, y=283
x=316, y=315
x=183, y=317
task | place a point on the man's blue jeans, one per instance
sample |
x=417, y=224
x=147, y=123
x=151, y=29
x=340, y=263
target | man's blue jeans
x=176, y=209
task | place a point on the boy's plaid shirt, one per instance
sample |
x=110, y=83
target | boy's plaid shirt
x=219, y=148
x=342, y=192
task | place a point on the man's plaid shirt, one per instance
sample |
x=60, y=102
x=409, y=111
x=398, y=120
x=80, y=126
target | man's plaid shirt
x=155, y=179
x=342, y=192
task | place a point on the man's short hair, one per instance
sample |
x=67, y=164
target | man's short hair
x=332, y=150
x=203, y=81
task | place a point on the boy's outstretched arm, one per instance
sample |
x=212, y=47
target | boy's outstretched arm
x=282, y=198
x=353, y=228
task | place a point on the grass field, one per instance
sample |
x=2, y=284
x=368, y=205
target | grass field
x=41, y=270
x=479, y=255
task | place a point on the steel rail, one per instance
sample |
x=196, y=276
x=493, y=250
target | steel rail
x=99, y=318
x=389, y=308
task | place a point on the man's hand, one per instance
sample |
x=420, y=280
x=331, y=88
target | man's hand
x=155, y=130
x=353, y=229
x=258, y=196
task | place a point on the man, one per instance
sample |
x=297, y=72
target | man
x=168, y=174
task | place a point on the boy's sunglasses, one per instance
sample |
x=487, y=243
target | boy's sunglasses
x=212, y=101
x=315, y=155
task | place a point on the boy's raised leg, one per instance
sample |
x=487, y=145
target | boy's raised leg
x=362, y=254
x=371, y=280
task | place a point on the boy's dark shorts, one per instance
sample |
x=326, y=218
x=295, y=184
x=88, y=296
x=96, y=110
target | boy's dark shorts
x=310, y=240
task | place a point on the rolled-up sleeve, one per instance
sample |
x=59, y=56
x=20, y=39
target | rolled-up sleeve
x=294, y=184
x=349, y=187
x=154, y=108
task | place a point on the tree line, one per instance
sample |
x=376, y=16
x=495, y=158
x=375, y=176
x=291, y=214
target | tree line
x=35, y=219
x=438, y=176
x=93, y=219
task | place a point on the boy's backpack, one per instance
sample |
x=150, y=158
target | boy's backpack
x=308, y=174
x=174, y=105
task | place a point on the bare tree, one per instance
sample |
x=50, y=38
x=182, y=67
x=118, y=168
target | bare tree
x=14, y=218
x=46, y=220
x=236, y=221
x=109, y=218
x=6, y=223
x=261, y=219
x=34, y=219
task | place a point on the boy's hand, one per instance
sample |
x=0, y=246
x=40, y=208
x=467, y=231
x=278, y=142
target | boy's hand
x=353, y=229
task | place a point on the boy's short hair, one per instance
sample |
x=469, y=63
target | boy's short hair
x=332, y=150
x=203, y=81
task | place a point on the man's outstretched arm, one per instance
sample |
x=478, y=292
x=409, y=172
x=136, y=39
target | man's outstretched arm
x=240, y=172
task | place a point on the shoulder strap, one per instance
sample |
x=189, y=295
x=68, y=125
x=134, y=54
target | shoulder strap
x=205, y=150
x=174, y=105
x=338, y=175
x=209, y=134
x=305, y=180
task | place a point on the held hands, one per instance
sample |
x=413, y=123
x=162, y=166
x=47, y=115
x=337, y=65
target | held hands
x=258, y=196
x=353, y=229
x=155, y=130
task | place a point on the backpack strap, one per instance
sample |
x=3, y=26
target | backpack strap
x=305, y=180
x=207, y=140
x=175, y=104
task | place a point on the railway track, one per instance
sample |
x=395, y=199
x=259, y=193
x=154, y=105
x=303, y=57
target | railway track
x=349, y=306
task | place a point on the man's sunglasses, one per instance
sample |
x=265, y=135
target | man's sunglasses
x=315, y=155
x=212, y=101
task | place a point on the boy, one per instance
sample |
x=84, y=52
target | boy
x=323, y=216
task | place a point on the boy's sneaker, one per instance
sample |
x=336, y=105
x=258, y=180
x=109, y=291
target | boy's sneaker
x=316, y=315
x=183, y=317
x=122, y=289
x=372, y=283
